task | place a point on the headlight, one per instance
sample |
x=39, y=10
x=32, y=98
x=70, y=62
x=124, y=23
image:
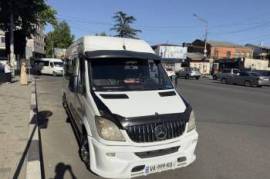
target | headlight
x=108, y=130
x=191, y=122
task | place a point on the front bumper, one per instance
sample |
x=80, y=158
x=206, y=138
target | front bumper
x=59, y=72
x=263, y=82
x=118, y=161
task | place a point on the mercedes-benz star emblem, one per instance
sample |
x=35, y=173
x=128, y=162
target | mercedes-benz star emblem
x=160, y=132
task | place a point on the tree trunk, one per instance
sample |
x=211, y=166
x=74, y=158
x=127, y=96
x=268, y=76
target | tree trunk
x=11, y=40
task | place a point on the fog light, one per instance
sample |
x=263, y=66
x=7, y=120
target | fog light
x=110, y=154
x=138, y=168
x=181, y=159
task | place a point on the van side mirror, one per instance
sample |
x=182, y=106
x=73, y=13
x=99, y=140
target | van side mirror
x=73, y=81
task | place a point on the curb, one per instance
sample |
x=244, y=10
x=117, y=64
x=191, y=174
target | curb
x=33, y=160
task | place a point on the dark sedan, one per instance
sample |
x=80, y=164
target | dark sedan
x=246, y=79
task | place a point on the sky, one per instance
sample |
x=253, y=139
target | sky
x=172, y=21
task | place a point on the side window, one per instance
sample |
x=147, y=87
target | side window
x=243, y=74
x=235, y=71
x=81, y=76
x=69, y=68
x=46, y=63
x=153, y=72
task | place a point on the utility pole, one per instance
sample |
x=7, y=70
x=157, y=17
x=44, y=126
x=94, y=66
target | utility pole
x=11, y=40
x=206, y=33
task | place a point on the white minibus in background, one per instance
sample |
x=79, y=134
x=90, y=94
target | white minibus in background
x=49, y=66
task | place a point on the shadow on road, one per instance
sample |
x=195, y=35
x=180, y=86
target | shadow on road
x=43, y=119
x=61, y=169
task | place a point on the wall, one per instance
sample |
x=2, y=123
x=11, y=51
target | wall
x=204, y=67
x=174, y=66
x=176, y=52
x=2, y=40
x=37, y=43
x=236, y=52
x=257, y=64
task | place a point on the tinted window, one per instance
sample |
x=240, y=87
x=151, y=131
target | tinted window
x=226, y=71
x=69, y=68
x=244, y=74
x=235, y=71
x=58, y=64
x=128, y=75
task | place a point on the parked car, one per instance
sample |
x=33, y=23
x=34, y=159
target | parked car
x=264, y=74
x=49, y=66
x=188, y=72
x=246, y=79
x=225, y=72
x=129, y=119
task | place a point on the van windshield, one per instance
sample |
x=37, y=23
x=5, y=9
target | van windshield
x=128, y=75
x=58, y=64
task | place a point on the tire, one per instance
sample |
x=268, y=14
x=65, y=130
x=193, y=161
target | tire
x=197, y=78
x=84, y=150
x=187, y=77
x=248, y=84
x=224, y=81
x=54, y=74
x=214, y=77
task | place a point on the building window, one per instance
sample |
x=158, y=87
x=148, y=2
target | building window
x=228, y=54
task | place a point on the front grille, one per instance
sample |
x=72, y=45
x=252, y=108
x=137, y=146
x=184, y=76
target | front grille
x=147, y=132
x=157, y=153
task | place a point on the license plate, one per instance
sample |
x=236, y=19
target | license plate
x=159, y=167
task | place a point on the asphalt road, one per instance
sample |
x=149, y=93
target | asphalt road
x=233, y=123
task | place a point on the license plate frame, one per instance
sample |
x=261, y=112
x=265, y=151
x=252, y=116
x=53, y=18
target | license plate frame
x=160, y=167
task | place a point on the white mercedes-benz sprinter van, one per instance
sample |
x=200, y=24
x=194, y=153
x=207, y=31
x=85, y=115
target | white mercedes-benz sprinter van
x=49, y=66
x=129, y=119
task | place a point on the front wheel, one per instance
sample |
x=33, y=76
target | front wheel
x=223, y=81
x=197, y=78
x=247, y=83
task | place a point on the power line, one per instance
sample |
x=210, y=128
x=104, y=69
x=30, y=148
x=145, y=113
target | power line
x=262, y=25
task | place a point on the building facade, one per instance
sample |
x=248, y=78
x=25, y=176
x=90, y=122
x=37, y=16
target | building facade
x=35, y=46
x=2, y=46
x=221, y=50
x=172, y=55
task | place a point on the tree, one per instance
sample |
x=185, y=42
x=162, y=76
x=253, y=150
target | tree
x=123, y=25
x=23, y=15
x=26, y=15
x=60, y=37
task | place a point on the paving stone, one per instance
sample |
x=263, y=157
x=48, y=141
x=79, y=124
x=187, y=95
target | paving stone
x=4, y=173
x=15, y=107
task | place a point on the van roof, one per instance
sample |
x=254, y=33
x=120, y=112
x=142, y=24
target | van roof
x=101, y=43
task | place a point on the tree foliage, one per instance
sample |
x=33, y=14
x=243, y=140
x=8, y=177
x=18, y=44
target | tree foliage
x=123, y=24
x=27, y=14
x=60, y=37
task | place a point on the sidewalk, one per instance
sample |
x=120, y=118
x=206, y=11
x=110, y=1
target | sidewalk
x=14, y=119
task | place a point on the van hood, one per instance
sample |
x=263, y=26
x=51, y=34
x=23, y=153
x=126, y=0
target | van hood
x=142, y=103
